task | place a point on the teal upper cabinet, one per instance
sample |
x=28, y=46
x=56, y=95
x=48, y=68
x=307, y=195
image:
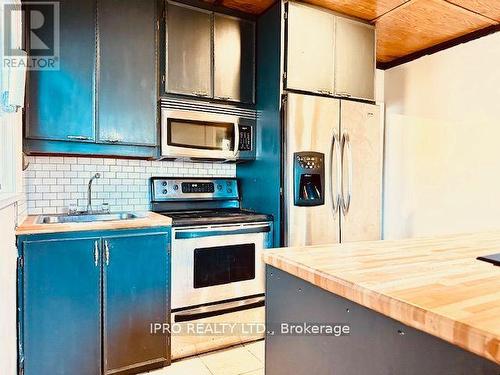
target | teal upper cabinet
x=209, y=55
x=103, y=99
x=234, y=59
x=189, y=51
x=127, y=80
x=61, y=102
x=329, y=54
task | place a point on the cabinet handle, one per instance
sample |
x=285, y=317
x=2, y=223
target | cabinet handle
x=96, y=253
x=78, y=138
x=344, y=94
x=200, y=93
x=106, y=252
x=325, y=92
x=224, y=98
x=111, y=140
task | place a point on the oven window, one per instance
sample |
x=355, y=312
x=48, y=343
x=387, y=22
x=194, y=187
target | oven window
x=223, y=265
x=201, y=135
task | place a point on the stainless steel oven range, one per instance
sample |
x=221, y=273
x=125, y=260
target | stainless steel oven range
x=217, y=272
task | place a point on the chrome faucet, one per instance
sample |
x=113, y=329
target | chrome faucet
x=89, y=192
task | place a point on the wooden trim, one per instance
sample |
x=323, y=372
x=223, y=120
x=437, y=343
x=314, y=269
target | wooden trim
x=470, y=10
x=439, y=47
x=407, y=2
x=217, y=7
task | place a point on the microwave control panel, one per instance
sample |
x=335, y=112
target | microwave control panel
x=245, y=141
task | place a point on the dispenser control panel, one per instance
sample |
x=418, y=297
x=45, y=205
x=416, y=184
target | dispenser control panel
x=310, y=161
x=309, y=178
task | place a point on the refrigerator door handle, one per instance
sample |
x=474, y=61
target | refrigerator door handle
x=346, y=147
x=336, y=195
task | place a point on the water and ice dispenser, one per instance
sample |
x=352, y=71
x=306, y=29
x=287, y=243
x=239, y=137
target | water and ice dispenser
x=309, y=178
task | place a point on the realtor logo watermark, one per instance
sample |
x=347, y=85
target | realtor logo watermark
x=251, y=329
x=41, y=22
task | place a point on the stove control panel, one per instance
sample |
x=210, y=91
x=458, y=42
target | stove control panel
x=197, y=187
x=170, y=189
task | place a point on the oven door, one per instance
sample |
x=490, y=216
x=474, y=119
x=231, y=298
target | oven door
x=199, y=135
x=218, y=263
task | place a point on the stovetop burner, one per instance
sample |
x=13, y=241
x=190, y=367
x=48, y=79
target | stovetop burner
x=220, y=216
x=201, y=201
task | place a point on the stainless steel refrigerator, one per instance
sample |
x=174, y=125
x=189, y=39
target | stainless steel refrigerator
x=333, y=151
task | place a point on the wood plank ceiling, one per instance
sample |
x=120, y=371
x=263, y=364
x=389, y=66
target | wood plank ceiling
x=404, y=27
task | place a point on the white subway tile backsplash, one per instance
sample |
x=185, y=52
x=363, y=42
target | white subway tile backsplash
x=53, y=183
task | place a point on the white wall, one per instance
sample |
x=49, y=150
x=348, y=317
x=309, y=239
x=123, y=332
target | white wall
x=10, y=165
x=442, y=165
x=8, y=259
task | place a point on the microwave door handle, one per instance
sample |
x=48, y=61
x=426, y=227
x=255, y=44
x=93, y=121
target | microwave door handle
x=236, y=140
x=188, y=234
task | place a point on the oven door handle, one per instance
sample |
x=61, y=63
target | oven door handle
x=221, y=232
x=216, y=310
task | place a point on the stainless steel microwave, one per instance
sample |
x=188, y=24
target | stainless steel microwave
x=206, y=136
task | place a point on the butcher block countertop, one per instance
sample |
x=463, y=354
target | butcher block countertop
x=435, y=284
x=30, y=226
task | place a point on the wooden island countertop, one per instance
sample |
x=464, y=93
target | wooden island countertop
x=150, y=220
x=435, y=285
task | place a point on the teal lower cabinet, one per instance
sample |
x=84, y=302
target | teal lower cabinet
x=61, y=307
x=133, y=299
x=87, y=301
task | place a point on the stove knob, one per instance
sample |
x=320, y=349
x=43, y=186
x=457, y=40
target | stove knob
x=164, y=183
x=229, y=190
x=176, y=187
x=165, y=191
x=219, y=187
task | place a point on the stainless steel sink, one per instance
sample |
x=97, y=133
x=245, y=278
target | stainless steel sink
x=88, y=218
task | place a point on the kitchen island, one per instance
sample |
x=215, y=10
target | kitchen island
x=416, y=306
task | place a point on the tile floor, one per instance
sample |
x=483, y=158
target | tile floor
x=247, y=359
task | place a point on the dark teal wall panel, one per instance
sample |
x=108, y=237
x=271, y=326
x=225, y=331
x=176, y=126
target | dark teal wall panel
x=261, y=179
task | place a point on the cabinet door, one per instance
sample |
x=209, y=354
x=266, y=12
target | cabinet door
x=362, y=155
x=62, y=307
x=354, y=59
x=127, y=84
x=61, y=102
x=310, y=49
x=189, y=51
x=136, y=294
x=234, y=59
